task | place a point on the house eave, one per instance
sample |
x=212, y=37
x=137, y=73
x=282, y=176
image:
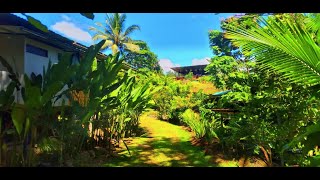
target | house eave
x=15, y=25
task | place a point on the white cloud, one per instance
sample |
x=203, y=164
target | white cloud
x=221, y=18
x=200, y=61
x=167, y=64
x=65, y=17
x=72, y=31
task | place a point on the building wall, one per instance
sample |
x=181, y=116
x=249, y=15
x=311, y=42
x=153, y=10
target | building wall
x=35, y=63
x=12, y=50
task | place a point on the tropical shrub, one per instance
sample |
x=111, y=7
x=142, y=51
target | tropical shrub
x=192, y=119
x=189, y=76
x=204, y=129
x=288, y=43
x=145, y=58
x=263, y=97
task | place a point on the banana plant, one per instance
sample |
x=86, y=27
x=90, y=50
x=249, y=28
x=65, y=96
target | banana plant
x=132, y=98
x=135, y=97
x=97, y=80
x=40, y=93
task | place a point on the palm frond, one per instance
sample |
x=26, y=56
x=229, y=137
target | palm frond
x=106, y=45
x=283, y=45
x=131, y=29
x=117, y=40
x=99, y=32
x=99, y=24
x=97, y=37
x=116, y=23
x=132, y=47
x=110, y=22
x=313, y=21
x=122, y=19
x=313, y=24
x=114, y=49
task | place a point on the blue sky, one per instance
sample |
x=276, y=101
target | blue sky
x=179, y=39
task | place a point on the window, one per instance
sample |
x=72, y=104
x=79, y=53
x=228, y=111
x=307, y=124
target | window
x=37, y=51
x=75, y=58
x=59, y=56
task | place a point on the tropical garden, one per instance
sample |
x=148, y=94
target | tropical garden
x=266, y=65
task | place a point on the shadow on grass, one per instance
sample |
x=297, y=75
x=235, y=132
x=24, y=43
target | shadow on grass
x=172, y=152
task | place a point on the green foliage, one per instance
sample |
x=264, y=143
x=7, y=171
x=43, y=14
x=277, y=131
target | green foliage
x=134, y=98
x=106, y=102
x=50, y=145
x=203, y=128
x=278, y=42
x=163, y=102
x=219, y=68
x=12, y=75
x=145, y=58
x=111, y=102
x=6, y=97
x=315, y=161
x=36, y=23
x=115, y=35
x=204, y=78
x=172, y=99
x=219, y=45
x=18, y=118
x=312, y=24
x=189, y=76
x=88, y=15
x=275, y=109
x=193, y=121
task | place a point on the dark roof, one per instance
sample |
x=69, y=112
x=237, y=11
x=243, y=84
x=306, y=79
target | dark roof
x=51, y=38
x=187, y=69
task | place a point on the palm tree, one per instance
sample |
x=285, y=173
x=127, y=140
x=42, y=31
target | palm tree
x=284, y=43
x=116, y=36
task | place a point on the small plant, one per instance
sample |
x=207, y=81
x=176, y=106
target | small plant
x=192, y=119
x=189, y=76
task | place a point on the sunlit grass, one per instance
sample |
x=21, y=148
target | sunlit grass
x=207, y=87
x=228, y=164
x=164, y=145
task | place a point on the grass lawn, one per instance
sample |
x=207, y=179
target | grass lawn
x=163, y=144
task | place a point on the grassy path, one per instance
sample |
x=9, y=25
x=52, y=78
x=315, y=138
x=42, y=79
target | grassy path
x=163, y=144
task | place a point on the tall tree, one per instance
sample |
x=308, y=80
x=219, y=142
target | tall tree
x=116, y=35
x=227, y=57
x=145, y=58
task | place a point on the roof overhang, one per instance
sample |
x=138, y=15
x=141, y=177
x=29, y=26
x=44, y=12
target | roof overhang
x=14, y=25
x=186, y=69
